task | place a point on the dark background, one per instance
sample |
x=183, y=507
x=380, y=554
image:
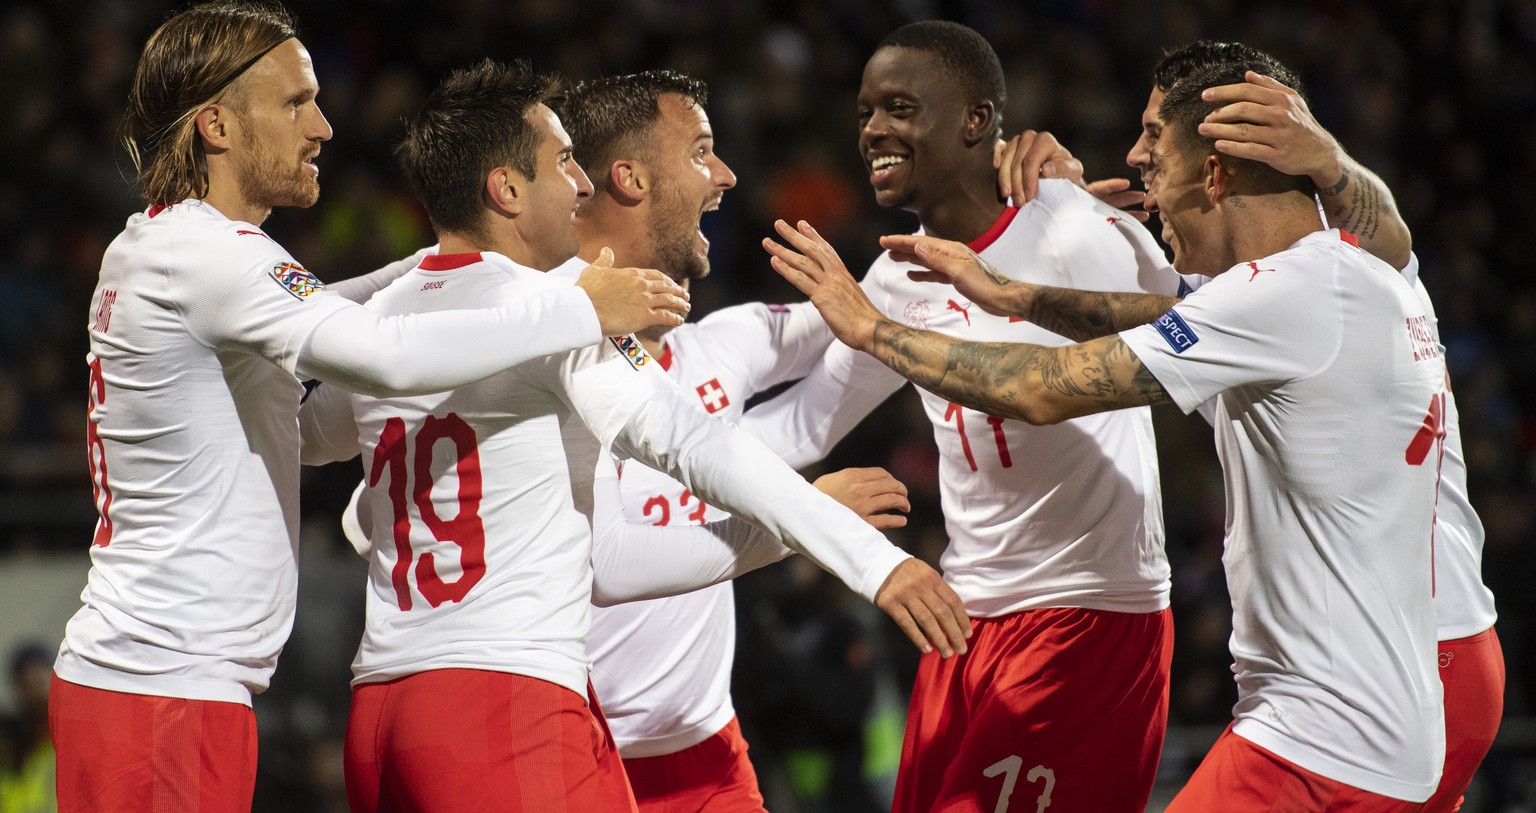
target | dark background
x=1439, y=98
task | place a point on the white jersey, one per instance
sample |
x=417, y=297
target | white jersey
x=1464, y=606
x=1330, y=405
x=663, y=667
x=1038, y=516
x=196, y=326
x=480, y=497
x=1463, y=603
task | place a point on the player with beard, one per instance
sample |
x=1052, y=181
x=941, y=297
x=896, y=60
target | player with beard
x=201, y=329
x=1055, y=533
x=663, y=667
x=481, y=572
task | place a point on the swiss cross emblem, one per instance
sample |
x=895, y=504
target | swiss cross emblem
x=713, y=395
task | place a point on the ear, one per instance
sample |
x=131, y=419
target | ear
x=629, y=181
x=504, y=188
x=1218, y=179
x=978, y=122
x=215, y=125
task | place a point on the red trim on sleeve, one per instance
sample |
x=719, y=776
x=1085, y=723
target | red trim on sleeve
x=994, y=231
x=448, y=262
x=1349, y=238
x=665, y=359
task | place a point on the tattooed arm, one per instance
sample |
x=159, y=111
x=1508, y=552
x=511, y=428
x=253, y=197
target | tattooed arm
x=1077, y=315
x=1266, y=121
x=1024, y=381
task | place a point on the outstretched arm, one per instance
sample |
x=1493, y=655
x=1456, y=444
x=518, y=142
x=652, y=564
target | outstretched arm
x=1077, y=315
x=1265, y=121
x=1028, y=382
x=633, y=562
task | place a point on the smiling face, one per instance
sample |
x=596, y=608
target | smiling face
x=549, y=215
x=912, y=121
x=1177, y=189
x=280, y=129
x=689, y=180
x=1151, y=128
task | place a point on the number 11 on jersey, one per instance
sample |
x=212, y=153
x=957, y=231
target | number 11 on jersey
x=957, y=414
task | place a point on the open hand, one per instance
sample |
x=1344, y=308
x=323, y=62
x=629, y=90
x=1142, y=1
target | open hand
x=870, y=493
x=814, y=267
x=628, y=300
x=1265, y=121
x=956, y=264
x=925, y=608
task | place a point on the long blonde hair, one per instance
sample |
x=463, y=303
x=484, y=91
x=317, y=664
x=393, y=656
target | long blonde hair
x=189, y=62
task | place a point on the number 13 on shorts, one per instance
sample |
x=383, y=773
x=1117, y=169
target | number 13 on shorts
x=1009, y=768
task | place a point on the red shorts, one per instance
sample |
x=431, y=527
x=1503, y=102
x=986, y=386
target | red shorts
x=1238, y=776
x=139, y=752
x=1472, y=672
x=1060, y=709
x=464, y=739
x=714, y=776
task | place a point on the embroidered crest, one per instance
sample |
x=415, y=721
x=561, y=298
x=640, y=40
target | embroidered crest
x=713, y=396
x=296, y=280
x=629, y=347
x=916, y=314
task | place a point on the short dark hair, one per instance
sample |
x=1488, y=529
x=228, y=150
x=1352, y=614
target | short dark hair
x=966, y=56
x=1183, y=110
x=191, y=60
x=608, y=118
x=475, y=121
x=1180, y=62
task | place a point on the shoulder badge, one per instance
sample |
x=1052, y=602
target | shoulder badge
x=630, y=348
x=296, y=280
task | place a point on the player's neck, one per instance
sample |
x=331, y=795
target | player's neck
x=225, y=195
x=460, y=243
x=965, y=213
x=654, y=340
x=598, y=228
x=1264, y=227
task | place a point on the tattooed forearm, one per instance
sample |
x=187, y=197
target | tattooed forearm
x=1362, y=215
x=1077, y=315
x=1336, y=188
x=1084, y=315
x=1028, y=382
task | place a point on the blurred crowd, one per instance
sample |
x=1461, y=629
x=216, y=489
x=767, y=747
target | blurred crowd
x=1438, y=98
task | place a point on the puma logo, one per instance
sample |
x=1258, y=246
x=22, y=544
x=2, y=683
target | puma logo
x=1256, y=270
x=964, y=310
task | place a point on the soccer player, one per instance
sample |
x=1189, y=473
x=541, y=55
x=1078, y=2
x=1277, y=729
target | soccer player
x=1055, y=533
x=1263, y=119
x=663, y=667
x=1329, y=401
x=480, y=579
x=201, y=329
